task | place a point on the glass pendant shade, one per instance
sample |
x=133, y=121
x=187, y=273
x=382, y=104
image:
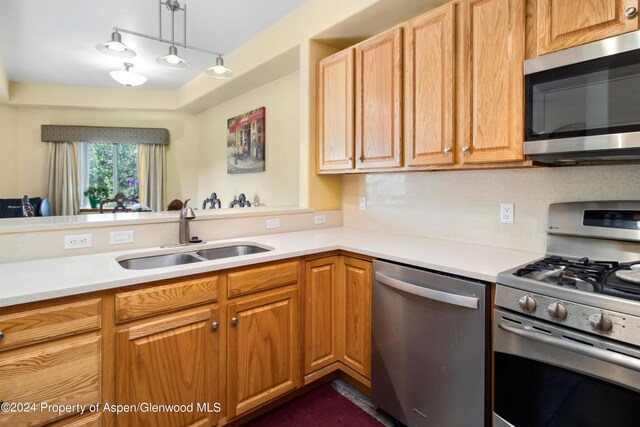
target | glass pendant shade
x=173, y=60
x=115, y=47
x=127, y=77
x=219, y=71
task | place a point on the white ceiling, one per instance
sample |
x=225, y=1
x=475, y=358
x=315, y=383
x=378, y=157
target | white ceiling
x=53, y=42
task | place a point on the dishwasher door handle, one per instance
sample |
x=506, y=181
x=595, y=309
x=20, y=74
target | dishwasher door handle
x=445, y=297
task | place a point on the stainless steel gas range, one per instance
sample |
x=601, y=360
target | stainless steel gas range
x=566, y=329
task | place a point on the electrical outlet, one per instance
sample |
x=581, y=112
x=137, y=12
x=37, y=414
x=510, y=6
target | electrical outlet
x=507, y=213
x=363, y=203
x=320, y=219
x=76, y=241
x=120, y=237
x=273, y=223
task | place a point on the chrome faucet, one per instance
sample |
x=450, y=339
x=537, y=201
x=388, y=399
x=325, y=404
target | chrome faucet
x=186, y=215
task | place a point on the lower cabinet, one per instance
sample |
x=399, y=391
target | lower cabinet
x=338, y=314
x=262, y=349
x=57, y=373
x=172, y=360
x=355, y=292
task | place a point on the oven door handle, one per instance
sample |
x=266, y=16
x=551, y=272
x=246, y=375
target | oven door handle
x=445, y=297
x=604, y=355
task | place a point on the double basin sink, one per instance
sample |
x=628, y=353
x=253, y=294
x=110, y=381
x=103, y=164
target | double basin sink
x=179, y=258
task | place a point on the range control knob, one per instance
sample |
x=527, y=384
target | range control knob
x=527, y=303
x=557, y=311
x=600, y=322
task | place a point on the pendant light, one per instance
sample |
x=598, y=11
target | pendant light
x=127, y=77
x=115, y=47
x=219, y=71
x=173, y=60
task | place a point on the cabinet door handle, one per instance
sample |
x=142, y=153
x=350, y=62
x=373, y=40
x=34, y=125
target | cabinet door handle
x=1, y=335
x=349, y=158
x=447, y=150
x=631, y=12
x=214, y=326
x=465, y=149
x=234, y=321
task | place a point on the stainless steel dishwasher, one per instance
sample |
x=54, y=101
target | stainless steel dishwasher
x=429, y=353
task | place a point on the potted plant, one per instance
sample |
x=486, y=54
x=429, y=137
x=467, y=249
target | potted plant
x=96, y=193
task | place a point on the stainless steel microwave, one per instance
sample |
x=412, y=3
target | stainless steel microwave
x=582, y=105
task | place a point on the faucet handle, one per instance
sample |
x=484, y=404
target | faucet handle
x=187, y=212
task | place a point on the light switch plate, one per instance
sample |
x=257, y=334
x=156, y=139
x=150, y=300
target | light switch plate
x=273, y=223
x=363, y=203
x=77, y=241
x=320, y=219
x=120, y=237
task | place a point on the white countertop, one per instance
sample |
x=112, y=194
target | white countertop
x=48, y=223
x=28, y=281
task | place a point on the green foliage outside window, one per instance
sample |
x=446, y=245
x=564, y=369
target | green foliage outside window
x=101, y=168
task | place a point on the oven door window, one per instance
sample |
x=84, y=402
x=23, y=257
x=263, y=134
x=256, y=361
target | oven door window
x=533, y=394
x=595, y=97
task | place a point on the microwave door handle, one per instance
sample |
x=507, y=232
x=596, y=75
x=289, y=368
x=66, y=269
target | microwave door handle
x=445, y=297
x=604, y=355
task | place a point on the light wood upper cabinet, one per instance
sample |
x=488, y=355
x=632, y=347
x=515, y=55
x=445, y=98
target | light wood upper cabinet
x=169, y=361
x=355, y=314
x=58, y=373
x=491, y=67
x=262, y=349
x=335, y=112
x=378, y=101
x=321, y=313
x=429, y=88
x=566, y=23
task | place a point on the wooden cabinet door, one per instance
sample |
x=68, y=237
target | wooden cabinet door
x=335, y=112
x=171, y=361
x=321, y=311
x=492, y=74
x=378, y=101
x=355, y=316
x=262, y=352
x=566, y=23
x=429, y=88
x=57, y=374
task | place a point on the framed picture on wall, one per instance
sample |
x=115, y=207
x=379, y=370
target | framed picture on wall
x=246, y=143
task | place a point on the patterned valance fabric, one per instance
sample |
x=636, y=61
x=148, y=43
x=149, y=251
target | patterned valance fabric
x=100, y=134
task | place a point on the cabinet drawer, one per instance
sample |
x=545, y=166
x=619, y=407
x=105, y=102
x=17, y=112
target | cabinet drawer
x=46, y=324
x=65, y=374
x=261, y=278
x=160, y=299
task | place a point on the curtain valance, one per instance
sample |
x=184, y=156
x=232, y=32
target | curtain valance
x=103, y=134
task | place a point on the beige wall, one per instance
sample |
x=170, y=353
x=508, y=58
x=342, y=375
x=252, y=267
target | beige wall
x=464, y=205
x=25, y=156
x=278, y=185
x=8, y=153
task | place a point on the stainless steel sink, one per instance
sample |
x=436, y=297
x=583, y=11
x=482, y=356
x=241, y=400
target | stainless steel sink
x=230, y=251
x=169, y=260
x=158, y=261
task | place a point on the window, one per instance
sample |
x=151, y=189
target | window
x=111, y=167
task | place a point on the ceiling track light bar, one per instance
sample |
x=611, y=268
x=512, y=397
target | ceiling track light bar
x=115, y=47
x=160, y=39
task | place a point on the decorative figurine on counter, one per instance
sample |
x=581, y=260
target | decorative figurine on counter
x=213, y=200
x=256, y=201
x=27, y=208
x=240, y=202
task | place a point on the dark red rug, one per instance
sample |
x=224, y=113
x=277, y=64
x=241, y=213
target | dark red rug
x=321, y=407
